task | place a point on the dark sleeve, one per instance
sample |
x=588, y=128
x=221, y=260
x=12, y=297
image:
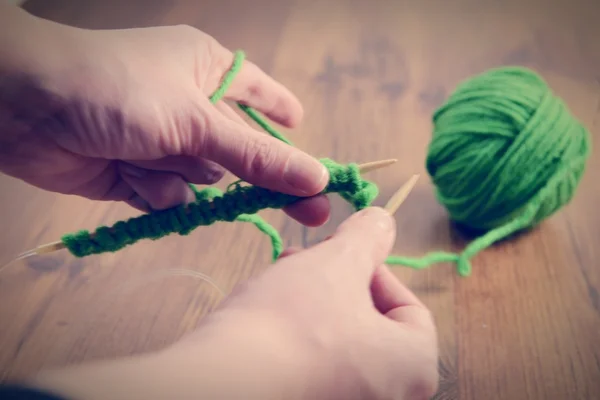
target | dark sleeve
x=16, y=392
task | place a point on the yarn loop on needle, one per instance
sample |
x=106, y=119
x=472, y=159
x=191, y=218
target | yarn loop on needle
x=505, y=155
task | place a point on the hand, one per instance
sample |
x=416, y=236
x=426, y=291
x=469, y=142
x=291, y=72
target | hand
x=124, y=115
x=330, y=322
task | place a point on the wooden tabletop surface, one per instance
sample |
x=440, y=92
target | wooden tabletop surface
x=525, y=325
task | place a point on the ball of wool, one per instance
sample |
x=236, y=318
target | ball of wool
x=504, y=147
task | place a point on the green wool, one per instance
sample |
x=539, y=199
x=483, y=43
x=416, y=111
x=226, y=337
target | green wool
x=505, y=155
x=239, y=203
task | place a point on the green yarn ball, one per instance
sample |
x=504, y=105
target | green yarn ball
x=504, y=147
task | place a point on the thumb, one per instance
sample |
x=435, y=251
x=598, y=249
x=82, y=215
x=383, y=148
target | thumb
x=360, y=244
x=260, y=159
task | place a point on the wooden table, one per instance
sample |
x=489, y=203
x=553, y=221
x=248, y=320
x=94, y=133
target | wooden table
x=525, y=325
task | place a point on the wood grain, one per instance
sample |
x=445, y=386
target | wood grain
x=525, y=325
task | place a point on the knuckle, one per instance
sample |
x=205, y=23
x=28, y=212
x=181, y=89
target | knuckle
x=426, y=384
x=188, y=31
x=255, y=83
x=199, y=139
x=426, y=387
x=346, y=249
x=256, y=93
x=185, y=35
x=185, y=133
x=259, y=158
x=264, y=92
x=343, y=247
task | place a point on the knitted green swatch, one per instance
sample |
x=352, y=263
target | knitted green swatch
x=240, y=203
x=505, y=155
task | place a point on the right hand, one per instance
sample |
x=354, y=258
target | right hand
x=330, y=322
x=336, y=322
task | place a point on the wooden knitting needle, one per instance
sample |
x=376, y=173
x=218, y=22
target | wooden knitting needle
x=58, y=245
x=372, y=166
x=398, y=198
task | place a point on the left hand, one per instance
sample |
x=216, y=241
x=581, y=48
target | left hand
x=124, y=115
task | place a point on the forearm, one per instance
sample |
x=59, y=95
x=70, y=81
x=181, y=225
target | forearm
x=24, y=39
x=34, y=57
x=265, y=366
x=29, y=44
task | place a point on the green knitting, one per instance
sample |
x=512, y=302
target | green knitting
x=240, y=203
x=505, y=155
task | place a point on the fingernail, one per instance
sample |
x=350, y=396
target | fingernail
x=133, y=171
x=213, y=175
x=305, y=174
x=379, y=216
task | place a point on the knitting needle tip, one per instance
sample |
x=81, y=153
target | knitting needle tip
x=43, y=249
x=366, y=167
x=398, y=198
x=49, y=248
x=371, y=166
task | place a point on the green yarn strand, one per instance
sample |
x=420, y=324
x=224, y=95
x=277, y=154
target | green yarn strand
x=267, y=229
x=210, y=193
x=211, y=206
x=260, y=223
x=505, y=155
x=263, y=124
x=236, y=66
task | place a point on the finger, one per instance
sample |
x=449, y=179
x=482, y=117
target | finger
x=122, y=191
x=289, y=251
x=118, y=189
x=358, y=246
x=138, y=203
x=193, y=169
x=253, y=87
x=261, y=159
x=230, y=113
x=160, y=190
x=413, y=315
x=311, y=212
x=389, y=293
x=397, y=302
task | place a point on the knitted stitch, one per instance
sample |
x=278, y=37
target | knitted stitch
x=505, y=155
x=211, y=206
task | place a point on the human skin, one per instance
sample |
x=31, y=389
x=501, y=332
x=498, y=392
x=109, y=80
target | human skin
x=123, y=115
x=329, y=322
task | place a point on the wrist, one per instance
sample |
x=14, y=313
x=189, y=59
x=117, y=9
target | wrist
x=128, y=378
x=256, y=364
x=241, y=356
x=29, y=45
x=36, y=56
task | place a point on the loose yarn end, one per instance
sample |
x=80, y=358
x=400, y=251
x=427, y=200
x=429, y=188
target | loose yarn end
x=505, y=155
